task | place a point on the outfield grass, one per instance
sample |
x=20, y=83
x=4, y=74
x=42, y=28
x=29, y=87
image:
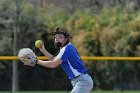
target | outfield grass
x=69, y=92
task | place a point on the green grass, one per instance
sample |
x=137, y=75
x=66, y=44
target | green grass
x=69, y=92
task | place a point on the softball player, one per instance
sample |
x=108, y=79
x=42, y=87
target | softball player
x=70, y=62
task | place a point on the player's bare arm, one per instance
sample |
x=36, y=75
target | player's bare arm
x=46, y=53
x=50, y=64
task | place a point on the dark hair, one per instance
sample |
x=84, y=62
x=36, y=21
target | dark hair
x=62, y=31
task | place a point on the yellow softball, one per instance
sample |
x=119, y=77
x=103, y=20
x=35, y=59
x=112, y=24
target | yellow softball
x=38, y=43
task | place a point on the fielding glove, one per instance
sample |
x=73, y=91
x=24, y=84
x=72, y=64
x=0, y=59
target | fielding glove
x=27, y=56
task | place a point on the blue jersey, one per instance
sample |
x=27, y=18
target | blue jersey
x=71, y=62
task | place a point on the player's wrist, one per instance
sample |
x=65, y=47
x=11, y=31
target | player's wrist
x=36, y=62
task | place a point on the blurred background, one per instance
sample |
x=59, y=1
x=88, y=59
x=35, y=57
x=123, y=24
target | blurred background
x=99, y=28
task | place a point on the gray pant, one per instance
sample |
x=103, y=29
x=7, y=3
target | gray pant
x=82, y=84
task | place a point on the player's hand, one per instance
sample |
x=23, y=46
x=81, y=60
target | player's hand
x=42, y=48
